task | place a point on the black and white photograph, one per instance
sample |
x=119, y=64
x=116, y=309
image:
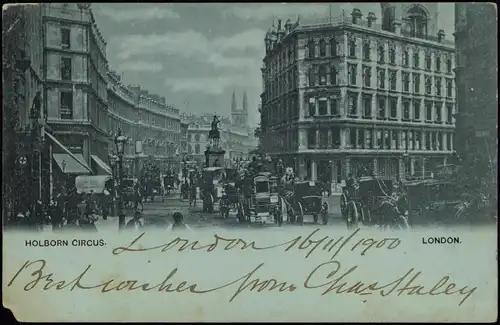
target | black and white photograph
x=156, y=121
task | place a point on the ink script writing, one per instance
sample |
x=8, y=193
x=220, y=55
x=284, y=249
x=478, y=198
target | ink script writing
x=327, y=278
x=309, y=244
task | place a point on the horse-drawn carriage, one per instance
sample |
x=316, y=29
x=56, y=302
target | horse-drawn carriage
x=211, y=187
x=305, y=199
x=432, y=201
x=230, y=192
x=257, y=204
x=371, y=202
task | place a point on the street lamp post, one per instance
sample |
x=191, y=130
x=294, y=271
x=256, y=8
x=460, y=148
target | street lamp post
x=112, y=162
x=120, y=143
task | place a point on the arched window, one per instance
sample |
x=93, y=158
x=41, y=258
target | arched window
x=333, y=76
x=417, y=19
x=312, y=77
x=333, y=47
x=312, y=49
x=322, y=48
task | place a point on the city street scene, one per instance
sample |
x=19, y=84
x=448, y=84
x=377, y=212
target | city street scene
x=191, y=116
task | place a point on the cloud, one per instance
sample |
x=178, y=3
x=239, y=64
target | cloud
x=284, y=10
x=218, y=51
x=140, y=66
x=212, y=85
x=138, y=14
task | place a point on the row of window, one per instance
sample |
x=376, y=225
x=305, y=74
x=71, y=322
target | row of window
x=387, y=108
x=381, y=139
x=381, y=57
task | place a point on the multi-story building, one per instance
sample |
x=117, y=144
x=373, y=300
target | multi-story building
x=345, y=94
x=183, y=149
x=236, y=137
x=152, y=126
x=477, y=91
x=75, y=91
x=22, y=78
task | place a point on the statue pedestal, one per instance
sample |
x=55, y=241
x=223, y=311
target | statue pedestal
x=214, y=157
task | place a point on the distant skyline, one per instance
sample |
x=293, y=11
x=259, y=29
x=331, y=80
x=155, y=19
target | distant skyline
x=197, y=54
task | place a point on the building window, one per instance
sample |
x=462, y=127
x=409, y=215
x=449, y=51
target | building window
x=381, y=53
x=406, y=58
x=416, y=110
x=322, y=74
x=352, y=138
x=323, y=107
x=428, y=111
x=428, y=141
x=448, y=141
x=381, y=78
x=352, y=74
x=416, y=59
x=448, y=65
x=416, y=83
x=394, y=107
x=66, y=105
x=336, y=137
x=438, y=63
x=392, y=55
x=449, y=88
x=311, y=138
x=387, y=139
x=333, y=47
x=333, y=76
x=66, y=38
x=197, y=137
x=352, y=47
x=406, y=81
x=366, y=50
x=312, y=49
x=438, y=86
x=197, y=148
x=438, y=112
x=367, y=107
x=368, y=139
x=449, y=113
x=66, y=69
x=367, y=76
x=379, y=139
x=353, y=104
x=312, y=77
x=428, y=85
x=322, y=48
x=428, y=61
x=406, y=110
x=393, y=79
x=312, y=106
x=381, y=108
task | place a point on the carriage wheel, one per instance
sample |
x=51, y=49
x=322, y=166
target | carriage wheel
x=300, y=214
x=343, y=205
x=291, y=213
x=324, y=214
x=210, y=207
x=400, y=223
x=352, y=216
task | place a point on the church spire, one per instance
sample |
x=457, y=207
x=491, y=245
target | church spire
x=233, y=103
x=245, y=102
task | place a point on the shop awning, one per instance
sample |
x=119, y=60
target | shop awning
x=102, y=165
x=70, y=165
x=73, y=163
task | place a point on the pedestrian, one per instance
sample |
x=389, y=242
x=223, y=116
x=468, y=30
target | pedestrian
x=178, y=224
x=136, y=223
x=56, y=214
x=105, y=203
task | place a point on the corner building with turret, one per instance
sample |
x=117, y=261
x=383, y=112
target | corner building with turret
x=353, y=94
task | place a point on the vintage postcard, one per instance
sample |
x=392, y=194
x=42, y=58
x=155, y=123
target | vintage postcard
x=203, y=162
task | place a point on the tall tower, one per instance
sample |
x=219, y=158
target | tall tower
x=233, y=103
x=244, y=113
